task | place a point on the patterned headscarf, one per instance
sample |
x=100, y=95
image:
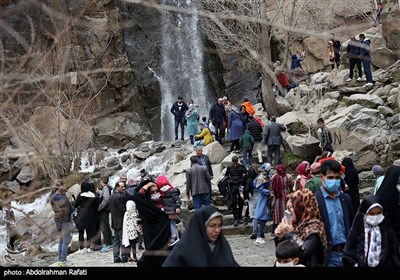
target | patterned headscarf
x=308, y=217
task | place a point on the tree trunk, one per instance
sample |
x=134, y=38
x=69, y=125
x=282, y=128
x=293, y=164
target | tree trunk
x=267, y=95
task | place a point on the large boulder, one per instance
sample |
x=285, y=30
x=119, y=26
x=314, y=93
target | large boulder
x=57, y=132
x=337, y=79
x=383, y=57
x=366, y=161
x=215, y=152
x=356, y=128
x=121, y=128
x=26, y=174
x=297, y=122
x=283, y=105
x=367, y=100
x=323, y=106
x=304, y=146
x=391, y=30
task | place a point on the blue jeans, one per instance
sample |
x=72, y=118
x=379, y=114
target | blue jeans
x=118, y=248
x=335, y=259
x=245, y=153
x=261, y=228
x=177, y=123
x=367, y=70
x=65, y=229
x=200, y=200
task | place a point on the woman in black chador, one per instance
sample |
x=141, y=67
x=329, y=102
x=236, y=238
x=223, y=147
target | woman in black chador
x=202, y=243
x=371, y=241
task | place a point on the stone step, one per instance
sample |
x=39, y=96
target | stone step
x=229, y=229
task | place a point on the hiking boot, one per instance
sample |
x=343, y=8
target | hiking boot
x=236, y=223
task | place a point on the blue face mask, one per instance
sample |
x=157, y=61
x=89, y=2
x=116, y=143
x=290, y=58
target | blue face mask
x=332, y=185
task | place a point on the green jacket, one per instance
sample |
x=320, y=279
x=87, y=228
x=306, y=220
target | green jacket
x=246, y=141
x=314, y=183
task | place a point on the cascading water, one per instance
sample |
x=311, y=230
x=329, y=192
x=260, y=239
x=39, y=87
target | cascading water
x=182, y=64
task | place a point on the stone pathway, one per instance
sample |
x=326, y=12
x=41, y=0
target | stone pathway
x=245, y=251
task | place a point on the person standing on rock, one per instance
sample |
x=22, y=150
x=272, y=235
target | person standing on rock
x=352, y=181
x=192, y=119
x=353, y=51
x=218, y=118
x=202, y=244
x=325, y=136
x=273, y=139
x=62, y=217
x=197, y=184
x=366, y=58
x=235, y=172
x=203, y=160
x=179, y=109
x=379, y=174
x=336, y=49
x=256, y=131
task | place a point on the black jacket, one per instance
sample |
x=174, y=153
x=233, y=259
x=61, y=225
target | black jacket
x=256, y=130
x=118, y=208
x=62, y=208
x=171, y=201
x=236, y=174
x=217, y=114
x=179, y=111
x=353, y=49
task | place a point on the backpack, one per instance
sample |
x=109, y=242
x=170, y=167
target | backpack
x=107, y=207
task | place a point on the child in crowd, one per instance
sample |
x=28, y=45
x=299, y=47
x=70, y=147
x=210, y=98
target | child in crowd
x=287, y=254
x=170, y=203
x=131, y=230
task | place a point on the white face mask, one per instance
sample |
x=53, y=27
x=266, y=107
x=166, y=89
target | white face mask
x=288, y=264
x=398, y=188
x=374, y=220
x=155, y=196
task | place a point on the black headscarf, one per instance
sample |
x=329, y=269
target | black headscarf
x=352, y=180
x=193, y=249
x=390, y=196
x=354, y=249
x=156, y=230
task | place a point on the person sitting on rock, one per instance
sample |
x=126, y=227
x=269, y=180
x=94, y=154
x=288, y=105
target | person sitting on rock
x=204, y=138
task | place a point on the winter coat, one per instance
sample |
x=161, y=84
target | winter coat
x=87, y=204
x=217, y=114
x=206, y=135
x=262, y=203
x=256, y=130
x=197, y=178
x=235, y=125
x=246, y=141
x=364, y=50
x=179, y=111
x=118, y=208
x=193, y=124
x=62, y=208
x=273, y=133
x=353, y=49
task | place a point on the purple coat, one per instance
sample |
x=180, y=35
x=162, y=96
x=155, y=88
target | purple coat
x=235, y=125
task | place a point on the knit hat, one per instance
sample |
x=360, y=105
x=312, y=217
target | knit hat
x=315, y=167
x=378, y=170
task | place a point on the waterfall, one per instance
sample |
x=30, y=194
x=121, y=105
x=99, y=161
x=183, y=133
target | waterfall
x=182, y=64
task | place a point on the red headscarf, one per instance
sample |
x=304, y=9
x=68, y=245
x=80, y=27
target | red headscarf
x=301, y=169
x=277, y=182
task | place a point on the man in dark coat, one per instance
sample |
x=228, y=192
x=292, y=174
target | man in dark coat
x=218, y=117
x=197, y=184
x=204, y=161
x=273, y=139
x=336, y=211
x=179, y=109
x=118, y=208
x=236, y=172
x=353, y=51
x=256, y=131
